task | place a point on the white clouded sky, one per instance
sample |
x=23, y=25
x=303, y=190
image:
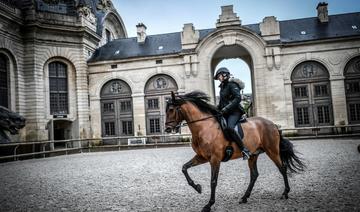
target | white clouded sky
x=164, y=16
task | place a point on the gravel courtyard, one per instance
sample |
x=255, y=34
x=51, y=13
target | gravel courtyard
x=151, y=180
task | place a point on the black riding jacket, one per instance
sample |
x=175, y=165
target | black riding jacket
x=230, y=97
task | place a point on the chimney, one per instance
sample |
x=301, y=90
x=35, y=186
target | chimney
x=141, y=33
x=322, y=12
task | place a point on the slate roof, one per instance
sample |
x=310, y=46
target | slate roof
x=297, y=30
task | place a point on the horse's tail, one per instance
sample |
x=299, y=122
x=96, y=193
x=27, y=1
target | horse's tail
x=288, y=156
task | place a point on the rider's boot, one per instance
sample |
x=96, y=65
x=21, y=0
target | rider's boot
x=245, y=152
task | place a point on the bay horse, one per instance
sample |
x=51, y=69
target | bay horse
x=209, y=141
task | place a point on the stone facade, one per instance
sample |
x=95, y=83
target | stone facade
x=31, y=39
x=36, y=33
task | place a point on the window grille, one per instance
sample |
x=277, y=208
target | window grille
x=353, y=87
x=323, y=114
x=321, y=90
x=108, y=107
x=153, y=103
x=302, y=115
x=301, y=92
x=125, y=106
x=109, y=128
x=127, y=128
x=354, y=112
x=155, y=125
x=58, y=86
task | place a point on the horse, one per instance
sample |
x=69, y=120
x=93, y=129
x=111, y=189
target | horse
x=9, y=121
x=209, y=142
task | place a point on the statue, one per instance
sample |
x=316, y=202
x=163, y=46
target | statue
x=9, y=121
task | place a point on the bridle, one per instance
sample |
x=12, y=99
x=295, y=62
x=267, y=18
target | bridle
x=180, y=114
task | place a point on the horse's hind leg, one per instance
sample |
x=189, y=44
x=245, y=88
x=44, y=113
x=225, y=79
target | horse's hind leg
x=197, y=160
x=283, y=170
x=253, y=176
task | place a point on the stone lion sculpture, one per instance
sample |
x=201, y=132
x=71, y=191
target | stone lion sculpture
x=9, y=121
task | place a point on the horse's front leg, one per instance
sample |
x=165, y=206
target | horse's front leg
x=215, y=167
x=197, y=160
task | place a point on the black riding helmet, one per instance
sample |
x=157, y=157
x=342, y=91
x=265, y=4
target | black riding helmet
x=221, y=70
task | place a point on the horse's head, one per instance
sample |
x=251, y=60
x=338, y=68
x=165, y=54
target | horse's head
x=10, y=121
x=174, y=116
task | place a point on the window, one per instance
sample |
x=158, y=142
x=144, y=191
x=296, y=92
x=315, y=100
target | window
x=125, y=106
x=4, y=90
x=109, y=128
x=58, y=83
x=154, y=125
x=321, y=90
x=323, y=114
x=108, y=107
x=302, y=115
x=108, y=36
x=353, y=87
x=354, y=112
x=127, y=128
x=311, y=95
x=153, y=103
x=301, y=92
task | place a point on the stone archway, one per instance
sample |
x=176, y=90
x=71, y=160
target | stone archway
x=157, y=92
x=311, y=95
x=237, y=54
x=116, y=109
x=352, y=90
x=234, y=42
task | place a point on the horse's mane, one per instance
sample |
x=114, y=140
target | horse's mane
x=200, y=99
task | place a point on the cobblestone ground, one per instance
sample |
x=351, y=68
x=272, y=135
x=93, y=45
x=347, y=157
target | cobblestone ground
x=151, y=180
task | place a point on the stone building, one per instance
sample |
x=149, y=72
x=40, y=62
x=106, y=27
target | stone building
x=73, y=72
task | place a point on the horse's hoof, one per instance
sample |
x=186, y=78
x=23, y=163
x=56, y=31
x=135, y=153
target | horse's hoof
x=198, y=188
x=284, y=196
x=206, y=209
x=243, y=200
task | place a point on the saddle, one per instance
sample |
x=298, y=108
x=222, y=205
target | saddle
x=232, y=135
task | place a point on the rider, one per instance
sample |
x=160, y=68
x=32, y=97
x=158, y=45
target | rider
x=229, y=104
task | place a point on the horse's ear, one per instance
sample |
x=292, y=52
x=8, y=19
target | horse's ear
x=172, y=96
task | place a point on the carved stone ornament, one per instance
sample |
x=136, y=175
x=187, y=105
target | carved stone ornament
x=308, y=71
x=84, y=11
x=160, y=83
x=115, y=87
x=104, y=4
x=11, y=122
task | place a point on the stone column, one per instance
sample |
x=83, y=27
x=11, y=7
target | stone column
x=339, y=100
x=139, y=114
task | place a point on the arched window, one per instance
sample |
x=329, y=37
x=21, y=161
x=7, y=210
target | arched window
x=58, y=88
x=311, y=95
x=4, y=81
x=157, y=91
x=116, y=109
x=352, y=90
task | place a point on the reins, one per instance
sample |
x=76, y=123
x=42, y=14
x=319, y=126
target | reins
x=190, y=122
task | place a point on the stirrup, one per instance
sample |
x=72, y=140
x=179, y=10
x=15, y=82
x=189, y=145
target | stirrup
x=246, y=154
